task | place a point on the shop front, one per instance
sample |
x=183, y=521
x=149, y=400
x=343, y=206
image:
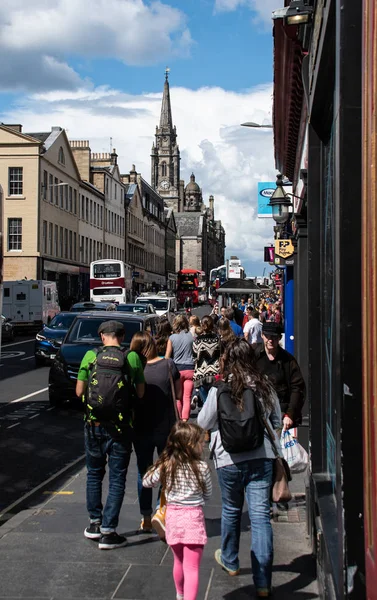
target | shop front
x=67, y=278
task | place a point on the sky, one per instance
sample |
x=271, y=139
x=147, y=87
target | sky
x=96, y=68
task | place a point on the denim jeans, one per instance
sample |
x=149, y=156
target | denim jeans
x=145, y=446
x=101, y=448
x=253, y=477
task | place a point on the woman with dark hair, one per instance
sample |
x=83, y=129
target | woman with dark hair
x=179, y=348
x=206, y=352
x=244, y=473
x=225, y=332
x=155, y=415
x=164, y=331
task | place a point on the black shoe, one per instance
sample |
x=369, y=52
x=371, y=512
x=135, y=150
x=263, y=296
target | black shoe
x=93, y=532
x=111, y=541
x=282, y=506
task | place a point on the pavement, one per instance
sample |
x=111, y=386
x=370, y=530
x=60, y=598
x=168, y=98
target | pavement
x=44, y=554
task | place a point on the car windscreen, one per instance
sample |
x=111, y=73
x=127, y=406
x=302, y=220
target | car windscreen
x=132, y=308
x=85, y=331
x=61, y=321
x=156, y=302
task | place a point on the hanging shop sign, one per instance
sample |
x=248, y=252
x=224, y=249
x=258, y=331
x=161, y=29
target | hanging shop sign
x=284, y=249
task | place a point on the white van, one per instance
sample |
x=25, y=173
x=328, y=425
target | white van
x=163, y=304
x=30, y=302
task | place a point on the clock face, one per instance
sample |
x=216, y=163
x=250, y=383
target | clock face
x=165, y=139
x=165, y=185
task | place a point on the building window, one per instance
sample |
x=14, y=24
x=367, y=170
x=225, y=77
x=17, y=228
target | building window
x=91, y=213
x=61, y=188
x=51, y=188
x=50, y=234
x=44, y=237
x=56, y=241
x=65, y=243
x=74, y=246
x=116, y=191
x=87, y=209
x=75, y=201
x=70, y=205
x=61, y=254
x=70, y=246
x=163, y=169
x=56, y=188
x=61, y=157
x=45, y=184
x=66, y=197
x=15, y=181
x=14, y=234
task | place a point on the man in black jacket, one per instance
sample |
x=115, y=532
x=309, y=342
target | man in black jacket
x=284, y=374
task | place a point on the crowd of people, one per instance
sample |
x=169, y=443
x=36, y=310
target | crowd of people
x=157, y=383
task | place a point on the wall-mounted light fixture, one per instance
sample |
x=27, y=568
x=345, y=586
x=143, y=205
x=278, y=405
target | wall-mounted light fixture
x=298, y=13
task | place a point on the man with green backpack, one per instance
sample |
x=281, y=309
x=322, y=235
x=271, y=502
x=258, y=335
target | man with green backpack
x=110, y=380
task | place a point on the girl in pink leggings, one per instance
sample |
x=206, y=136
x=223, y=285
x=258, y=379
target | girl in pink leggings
x=187, y=483
x=179, y=348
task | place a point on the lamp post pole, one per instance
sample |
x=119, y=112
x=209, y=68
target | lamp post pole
x=289, y=309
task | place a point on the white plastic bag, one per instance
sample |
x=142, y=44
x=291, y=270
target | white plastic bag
x=295, y=455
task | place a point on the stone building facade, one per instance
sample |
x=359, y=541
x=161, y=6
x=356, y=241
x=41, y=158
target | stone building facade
x=201, y=239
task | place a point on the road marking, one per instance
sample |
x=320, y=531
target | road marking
x=33, y=417
x=51, y=408
x=27, y=357
x=15, y=425
x=12, y=354
x=29, y=395
x=58, y=493
x=18, y=343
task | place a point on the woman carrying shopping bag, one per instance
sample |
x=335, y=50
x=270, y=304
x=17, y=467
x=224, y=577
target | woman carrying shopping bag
x=244, y=458
x=155, y=415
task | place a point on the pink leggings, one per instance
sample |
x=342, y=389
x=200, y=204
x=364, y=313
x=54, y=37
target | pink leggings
x=187, y=559
x=187, y=387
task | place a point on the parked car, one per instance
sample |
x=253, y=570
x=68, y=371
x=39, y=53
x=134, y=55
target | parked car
x=164, y=305
x=7, y=330
x=147, y=309
x=83, y=336
x=83, y=306
x=49, y=339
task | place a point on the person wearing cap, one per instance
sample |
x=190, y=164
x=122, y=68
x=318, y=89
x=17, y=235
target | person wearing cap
x=284, y=373
x=101, y=446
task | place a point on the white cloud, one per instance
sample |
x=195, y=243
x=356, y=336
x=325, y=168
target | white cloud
x=136, y=32
x=228, y=160
x=262, y=9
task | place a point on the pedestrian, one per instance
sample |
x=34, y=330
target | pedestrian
x=215, y=314
x=206, y=352
x=194, y=323
x=238, y=314
x=154, y=416
x=229, y=314
x=248, y=472
x=179, y=348
x=108, y=431
x=186, y=480
x=253, y=329
x=242, y=305
x=163, y=332
x=226, y=334
x=283, y=372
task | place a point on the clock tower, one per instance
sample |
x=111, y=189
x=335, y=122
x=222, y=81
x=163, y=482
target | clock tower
x=165, y=155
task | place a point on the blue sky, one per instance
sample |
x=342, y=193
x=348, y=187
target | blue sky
x=65, y=66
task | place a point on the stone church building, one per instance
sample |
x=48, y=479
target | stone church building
x=201, y=239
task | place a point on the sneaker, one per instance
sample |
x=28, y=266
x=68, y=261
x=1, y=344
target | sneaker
x=194, y=402
x=93, y=532
x=111, y=541
x=158, y=523
x=263, y=592
x=180, y=597
x=282, y=506
x=146, y=525
x=231, y=572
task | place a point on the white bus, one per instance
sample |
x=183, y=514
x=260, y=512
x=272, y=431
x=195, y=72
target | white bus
x=110, y=280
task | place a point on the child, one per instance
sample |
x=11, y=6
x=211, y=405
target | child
x=187, y=483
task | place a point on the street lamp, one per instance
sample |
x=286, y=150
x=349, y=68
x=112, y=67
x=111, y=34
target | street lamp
x=280, y=202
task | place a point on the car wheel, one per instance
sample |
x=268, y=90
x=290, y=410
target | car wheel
x=39, y=362
x=54, y=399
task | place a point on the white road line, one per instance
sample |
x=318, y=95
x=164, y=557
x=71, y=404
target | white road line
x=18, y=343
x=51, y=408
x=33, y=417
x=27, y=358
x=29, y=395
x=15, y=425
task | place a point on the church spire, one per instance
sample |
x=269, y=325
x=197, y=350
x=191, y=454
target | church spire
x=166, y=120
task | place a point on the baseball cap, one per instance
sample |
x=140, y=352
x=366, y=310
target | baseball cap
x=115, y=327
x=271, y=328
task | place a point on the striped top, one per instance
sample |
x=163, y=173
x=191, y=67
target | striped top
x=185, y=491
x=206, y=353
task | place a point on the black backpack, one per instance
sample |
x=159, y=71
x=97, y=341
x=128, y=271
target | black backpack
x=240, y=431
x=109, y=394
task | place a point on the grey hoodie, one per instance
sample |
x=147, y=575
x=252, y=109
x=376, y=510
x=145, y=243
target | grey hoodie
x=207, y=419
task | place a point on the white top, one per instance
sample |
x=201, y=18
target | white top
x=253, y=328
x=185, y=490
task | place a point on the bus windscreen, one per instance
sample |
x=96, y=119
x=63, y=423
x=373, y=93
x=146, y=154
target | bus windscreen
x=106, y=271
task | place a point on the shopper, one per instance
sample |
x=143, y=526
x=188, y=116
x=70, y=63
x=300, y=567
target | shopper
x=164, y=331
x=179, y=348
x=155, y=415
x=187, y=483
x=244, y=473
x=206, y=353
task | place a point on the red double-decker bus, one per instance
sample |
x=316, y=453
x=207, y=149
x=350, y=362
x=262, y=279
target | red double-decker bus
x=191, y=283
